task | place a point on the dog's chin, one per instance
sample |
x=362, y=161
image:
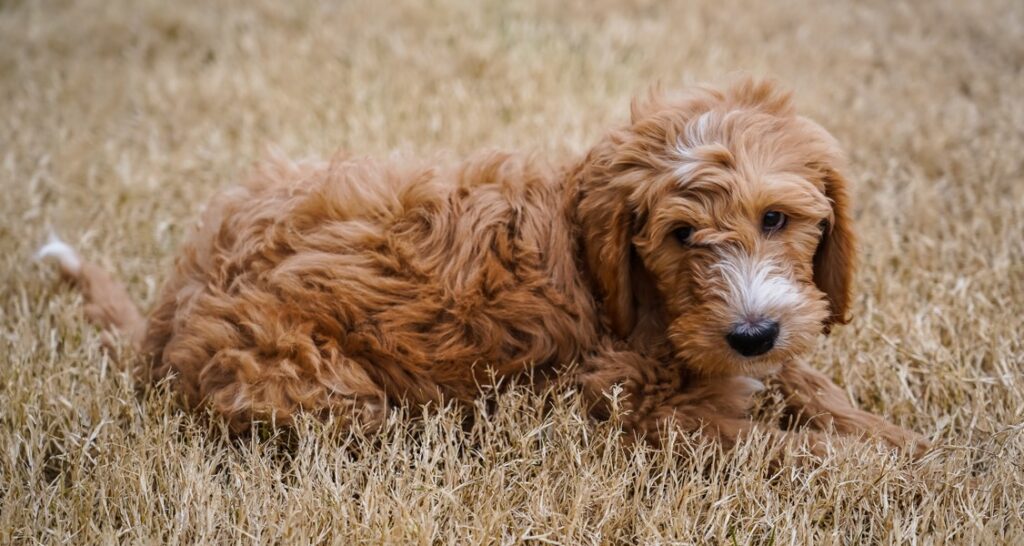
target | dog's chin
x=759, y=366
x=706, y=352
x=723, y=361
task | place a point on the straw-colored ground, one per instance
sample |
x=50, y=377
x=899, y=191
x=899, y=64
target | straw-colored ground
x=118, y=118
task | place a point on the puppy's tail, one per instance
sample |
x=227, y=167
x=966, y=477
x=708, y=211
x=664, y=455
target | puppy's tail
x=107, y=303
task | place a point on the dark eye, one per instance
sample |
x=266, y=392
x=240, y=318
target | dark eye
x=683, y=234
x=773, y=221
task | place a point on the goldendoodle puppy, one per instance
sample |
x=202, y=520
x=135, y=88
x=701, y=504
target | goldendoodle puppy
x=688, y=256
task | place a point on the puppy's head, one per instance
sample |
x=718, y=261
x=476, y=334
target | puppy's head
x=725, y=213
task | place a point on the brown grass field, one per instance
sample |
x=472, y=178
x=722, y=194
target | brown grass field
x=119, y=118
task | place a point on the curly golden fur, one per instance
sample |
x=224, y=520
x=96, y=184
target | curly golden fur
x=349, y=286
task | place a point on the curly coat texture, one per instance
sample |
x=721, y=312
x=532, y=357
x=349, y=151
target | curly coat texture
x=349, y=286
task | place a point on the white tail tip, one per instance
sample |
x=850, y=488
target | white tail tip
x=66, y=256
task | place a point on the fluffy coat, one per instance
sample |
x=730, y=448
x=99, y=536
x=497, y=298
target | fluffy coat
x=350, y=286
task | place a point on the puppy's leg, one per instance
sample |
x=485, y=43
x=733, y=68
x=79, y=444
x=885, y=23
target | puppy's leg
x=243, y=386
x=817, y=402
x=657, y=396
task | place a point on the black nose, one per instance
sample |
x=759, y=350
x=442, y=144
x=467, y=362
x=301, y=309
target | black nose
x=753, y=339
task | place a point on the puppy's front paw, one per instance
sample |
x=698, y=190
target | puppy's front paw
x=905, y=440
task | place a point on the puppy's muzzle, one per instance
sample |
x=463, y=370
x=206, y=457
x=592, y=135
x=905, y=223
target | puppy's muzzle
x=753, y=339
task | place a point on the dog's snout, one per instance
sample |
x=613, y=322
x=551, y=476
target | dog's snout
x=753, y=339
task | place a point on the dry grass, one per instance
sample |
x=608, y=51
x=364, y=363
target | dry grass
x=120, y=117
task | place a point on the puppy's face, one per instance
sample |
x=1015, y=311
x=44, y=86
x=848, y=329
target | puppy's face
x=730, y=245
x=736, y=214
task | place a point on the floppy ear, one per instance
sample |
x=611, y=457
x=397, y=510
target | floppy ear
x=834, y=261
x=606, y=222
